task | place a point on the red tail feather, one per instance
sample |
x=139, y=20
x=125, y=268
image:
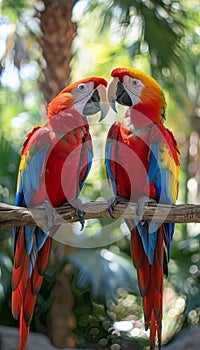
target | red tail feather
x=23, y=332
x=19, y=251
x=44, y=255
x=20, y=260
x=150, y=279
x=16, y=302
x=19, y=275
x=25, y=287
x=29, y=301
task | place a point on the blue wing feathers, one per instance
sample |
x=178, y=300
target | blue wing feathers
x=29, y=177
x=148, y=236
x=163, y=178
x=108, y=156
x=41, y=238
x=29, y=238
x=153, y=161
x=89, y=164
x=31, y=168
x=19, y=198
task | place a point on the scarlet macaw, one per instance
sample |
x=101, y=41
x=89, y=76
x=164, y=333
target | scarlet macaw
x=55, y=161
x=142, y=165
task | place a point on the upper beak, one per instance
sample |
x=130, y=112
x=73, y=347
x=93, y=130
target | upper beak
x=112, y=93
x=103, y=104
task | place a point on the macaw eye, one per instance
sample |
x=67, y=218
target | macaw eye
x=81, y=87
x=135, y=82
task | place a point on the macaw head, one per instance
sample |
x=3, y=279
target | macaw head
x=87, y=96
x=134, y=88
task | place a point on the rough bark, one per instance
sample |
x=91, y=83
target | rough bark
x=58, y=33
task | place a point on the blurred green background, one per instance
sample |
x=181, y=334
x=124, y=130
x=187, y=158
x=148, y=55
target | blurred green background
x=90, y=284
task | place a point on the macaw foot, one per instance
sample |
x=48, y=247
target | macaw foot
x=113, y=201
x=78, y=206
x=50, y=213
x=142, y=201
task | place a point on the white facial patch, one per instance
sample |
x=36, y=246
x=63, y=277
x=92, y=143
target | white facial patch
x=134, y=88
x=82, y=94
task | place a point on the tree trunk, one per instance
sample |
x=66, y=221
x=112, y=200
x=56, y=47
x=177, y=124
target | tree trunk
x=58, y=32
x=61, y=320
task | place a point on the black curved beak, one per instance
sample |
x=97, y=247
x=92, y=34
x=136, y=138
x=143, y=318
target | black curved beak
x=122, y=97
x=97, y=103
x=117, y=93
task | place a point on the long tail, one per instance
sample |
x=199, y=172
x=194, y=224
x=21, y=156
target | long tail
x=150, y=279
x=27, y=278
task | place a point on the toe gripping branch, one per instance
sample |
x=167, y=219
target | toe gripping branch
x=142, y=201
x=50, y=214
x=78, y=206
x=112, y=202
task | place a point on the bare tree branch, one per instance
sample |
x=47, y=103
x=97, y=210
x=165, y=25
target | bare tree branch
x=11, y=216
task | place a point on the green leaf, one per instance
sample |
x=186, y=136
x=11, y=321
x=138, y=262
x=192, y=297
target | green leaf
x=8, y=170
x=103, y=272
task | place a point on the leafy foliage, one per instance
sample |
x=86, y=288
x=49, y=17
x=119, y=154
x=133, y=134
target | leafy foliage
x=138, y=23
x=8, y=173
x=9, y=165
x=185, y=267
x=96, y=266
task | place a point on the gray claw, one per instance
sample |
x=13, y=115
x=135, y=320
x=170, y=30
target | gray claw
x=50, y=213
x=78, y=206
x=112, y=202
x=142, y=201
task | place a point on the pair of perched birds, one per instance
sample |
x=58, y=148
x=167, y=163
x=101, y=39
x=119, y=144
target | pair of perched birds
x=142, y=165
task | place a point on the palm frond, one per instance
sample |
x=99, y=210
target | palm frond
x=103, y=272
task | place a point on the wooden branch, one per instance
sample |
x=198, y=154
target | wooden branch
x=11, y=216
